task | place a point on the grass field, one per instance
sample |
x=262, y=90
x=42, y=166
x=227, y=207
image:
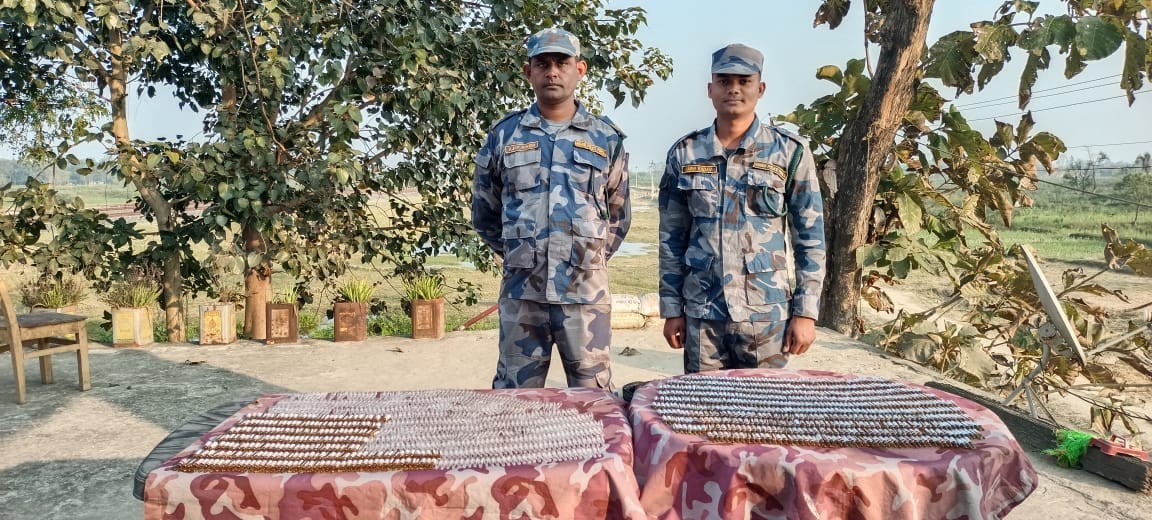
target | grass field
x=1062, y=226
x=1065, y=225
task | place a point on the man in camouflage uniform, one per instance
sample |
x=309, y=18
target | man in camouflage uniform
x=727, y=196
x=550, y=197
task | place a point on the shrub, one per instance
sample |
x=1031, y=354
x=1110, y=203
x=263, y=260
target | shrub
x=48, y=292
x=140, y=287
x=357, y=290
x=424, y=287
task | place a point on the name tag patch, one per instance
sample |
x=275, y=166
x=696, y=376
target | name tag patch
x=521, y=147
x=701, y=168
x=776, y=169
x=591, y=147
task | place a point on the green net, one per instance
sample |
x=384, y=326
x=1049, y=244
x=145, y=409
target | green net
x=1070, y=446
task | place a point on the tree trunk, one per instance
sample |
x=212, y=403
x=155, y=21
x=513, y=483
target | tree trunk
x=864, y=146
x=257, y=286
x=135, y=172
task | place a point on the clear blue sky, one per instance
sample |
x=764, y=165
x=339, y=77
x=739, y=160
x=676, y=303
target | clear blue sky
x=688, y=31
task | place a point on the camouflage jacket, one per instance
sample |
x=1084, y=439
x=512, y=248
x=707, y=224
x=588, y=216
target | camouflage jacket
x=722, y=223
x=554, y=207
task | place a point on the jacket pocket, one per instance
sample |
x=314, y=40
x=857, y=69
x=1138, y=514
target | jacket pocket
x=519, y=246
x=588, y=175
x=588, y=244
x=703, y=193
x=765, y=195
x=767, y=278
x=522, y=170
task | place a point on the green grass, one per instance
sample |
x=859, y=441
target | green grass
x=1065, y=225
x=97, y=195
x=1062, y=225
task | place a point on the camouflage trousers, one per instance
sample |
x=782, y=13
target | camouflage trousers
x=723, y=344
x=582, y=334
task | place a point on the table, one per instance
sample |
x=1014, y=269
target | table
x=687, y=476
x=601, y=487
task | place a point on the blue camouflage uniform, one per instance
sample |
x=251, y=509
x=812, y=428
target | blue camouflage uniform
x=552, y=201
x=723, y=256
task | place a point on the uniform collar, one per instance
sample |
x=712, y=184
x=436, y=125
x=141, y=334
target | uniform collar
x=746, y=142
x=582, y=119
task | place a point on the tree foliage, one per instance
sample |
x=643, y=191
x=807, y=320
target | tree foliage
x=334, y=131
x=941, y=181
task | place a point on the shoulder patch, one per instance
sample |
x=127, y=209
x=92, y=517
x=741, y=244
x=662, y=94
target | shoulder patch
x=684, y=137
x=700, y=168
x=521, y=147
x=775, y=169
x=591, y=147
x=612, y=124
x=510, y=115
x=789, y=134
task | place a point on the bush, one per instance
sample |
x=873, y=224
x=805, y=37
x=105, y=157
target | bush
x=357, y=290
x=424, y=287
x=307, y=321
x=48, y=292
x=140, y=287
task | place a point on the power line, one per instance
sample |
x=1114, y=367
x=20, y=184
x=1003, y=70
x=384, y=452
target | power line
x=1098, y=168
x=1061, y=106
x=971, y=107
x=1041, y=90
x=1101, y=195
x=1109, y=144
x=949, y=154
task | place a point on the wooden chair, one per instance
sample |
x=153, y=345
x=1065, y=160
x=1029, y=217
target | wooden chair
x=45, y=332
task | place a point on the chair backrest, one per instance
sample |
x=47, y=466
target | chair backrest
x=8, y=313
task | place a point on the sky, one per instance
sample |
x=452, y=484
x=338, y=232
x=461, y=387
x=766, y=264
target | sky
x=793, y=50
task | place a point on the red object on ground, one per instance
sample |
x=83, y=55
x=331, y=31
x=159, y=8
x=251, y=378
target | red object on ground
x=1117, y=445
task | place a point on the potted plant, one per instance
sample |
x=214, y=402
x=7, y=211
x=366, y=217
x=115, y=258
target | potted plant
x=218, y=319
x=49, y=293
x=426, y=294
x=350, y=312
x=282, y=318
x=131, y=298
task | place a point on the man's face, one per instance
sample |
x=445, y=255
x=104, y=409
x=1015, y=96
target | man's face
x=554, y=76
x=735, y=95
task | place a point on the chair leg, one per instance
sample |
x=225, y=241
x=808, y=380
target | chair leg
x=82, y=359
x=45, y=363
x=18, y=370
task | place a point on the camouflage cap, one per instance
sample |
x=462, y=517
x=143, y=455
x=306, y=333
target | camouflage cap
x=737, y=59
x=553, y=40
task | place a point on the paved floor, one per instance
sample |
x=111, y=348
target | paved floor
x=71, y=455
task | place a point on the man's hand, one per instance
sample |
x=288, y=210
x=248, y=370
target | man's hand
x=674, y=332
x=799, y=336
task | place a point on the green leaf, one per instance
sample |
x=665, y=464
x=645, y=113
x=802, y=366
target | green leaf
x=1097, y=38
x=1062, y=31
x=987, y=72
x=951, y=60
x=831, y=12
x=993, y=39
x=1045, y=147
x=911, y=214
x=831, y=73
x=1037, y=61
x=901, y=268
x=1003, y=135
x=1025, y=127
x=1135, y=61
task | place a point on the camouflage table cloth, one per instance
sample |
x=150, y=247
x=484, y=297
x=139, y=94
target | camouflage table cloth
x=687, y=476
x=602, y=487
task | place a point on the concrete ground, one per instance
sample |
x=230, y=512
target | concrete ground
x=71, y=455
